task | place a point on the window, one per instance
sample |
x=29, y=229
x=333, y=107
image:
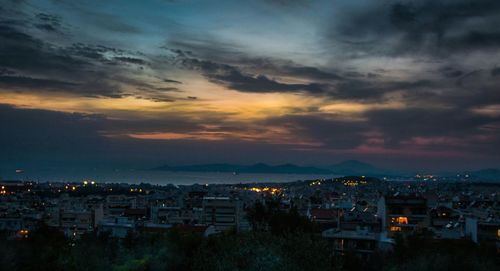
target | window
x=395, y=228
x=400, y=220
x=403, y=220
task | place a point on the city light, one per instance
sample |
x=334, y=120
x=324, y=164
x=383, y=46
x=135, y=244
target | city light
x=400, y=220
x=353, y=183
x=315, y=183
x=395, y=229
x=271, y=190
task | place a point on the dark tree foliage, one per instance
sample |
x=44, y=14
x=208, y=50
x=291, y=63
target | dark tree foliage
x=263, y=251
x=420, y=252
x=289, y=243
x=264, y=217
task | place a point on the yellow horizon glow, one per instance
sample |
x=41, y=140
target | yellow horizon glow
x=226, y=106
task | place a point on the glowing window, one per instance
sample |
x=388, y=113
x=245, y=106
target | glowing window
x=498, y=233
x=402, y=220
x=395, y=229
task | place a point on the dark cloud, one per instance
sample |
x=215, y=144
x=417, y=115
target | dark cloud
x=131, y=60
x=330, y=133
x=471, y=97
x=310, y=72
x=5, y=71
x=41, y=137
x=354, y=74
x=82, y=69
x=23, y=52
x=495, y=71
x=47, y=133
x=437, y=59
x=28, y=82
x=204, y=47
x=261, y=84
x=168, y=89
x=438, y=129
x=352, y=86
x=106, y=21
x=92, y=52
x=475, y=39
x=468, y=76
x=178, y=52
x=288, y=68
x=451, y=72
x=166, y=80
x=115, y=24
x=399, y=125
x=364, y=90
x=268, y=65
x=289, y=3
x=413, y=27
x=105, y=54
x=20, y=50
x=48, y=22
x=35, y=65
x=54, y=127
x=233, y=78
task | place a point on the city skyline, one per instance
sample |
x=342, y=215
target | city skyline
x=400, y=84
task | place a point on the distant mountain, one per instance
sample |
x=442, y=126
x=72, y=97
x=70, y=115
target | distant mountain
x=354, y=167
x=256, y=168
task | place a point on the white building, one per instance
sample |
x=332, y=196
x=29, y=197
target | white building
x=221, y=212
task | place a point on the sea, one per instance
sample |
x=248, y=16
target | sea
x=156, y=177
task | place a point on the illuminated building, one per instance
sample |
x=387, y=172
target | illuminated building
x=441, y=216
x=80, y=220
x=270, y=190
x=74, y=222
x=403, y=214
x=13, y=187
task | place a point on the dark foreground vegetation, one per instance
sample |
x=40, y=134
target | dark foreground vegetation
x=278, y=241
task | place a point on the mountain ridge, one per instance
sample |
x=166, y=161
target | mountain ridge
x=254, y=168
x=343, y=168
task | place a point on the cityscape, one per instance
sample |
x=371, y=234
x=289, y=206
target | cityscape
x=250, y=135
x=360, y=216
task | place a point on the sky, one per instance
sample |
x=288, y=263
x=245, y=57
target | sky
x=406, y=85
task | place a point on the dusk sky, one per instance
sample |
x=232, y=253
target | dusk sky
x=400, y=84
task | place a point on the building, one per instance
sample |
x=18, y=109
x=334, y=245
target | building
x=76, y=222
x=116, y=226
x=221, y=212
x=117, y=204
x=403, y=214
x=176, y=215
x=361, y=242
x=486, y=231
x=325, y=216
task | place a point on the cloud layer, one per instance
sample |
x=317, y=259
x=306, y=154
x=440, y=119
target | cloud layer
x=412, y=81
